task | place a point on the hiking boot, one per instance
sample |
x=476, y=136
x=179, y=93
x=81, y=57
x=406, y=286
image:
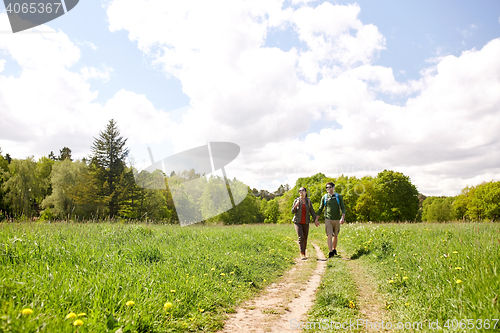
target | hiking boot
x=334, y=252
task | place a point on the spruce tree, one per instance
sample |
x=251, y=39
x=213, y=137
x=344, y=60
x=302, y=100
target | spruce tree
x=108, y=161
x=65, y=153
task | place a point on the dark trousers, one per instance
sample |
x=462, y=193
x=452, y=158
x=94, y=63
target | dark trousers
x=302, y=232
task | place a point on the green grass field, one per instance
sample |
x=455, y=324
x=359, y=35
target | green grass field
x=448, y=273
x=426, y=272
x=203, y=272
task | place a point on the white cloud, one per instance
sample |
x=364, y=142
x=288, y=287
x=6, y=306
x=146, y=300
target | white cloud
x=94, y=73
x=2, y=65
x=467, y=32
x=262, y=98
x=232, y=80
x=51, y=105
x=48, y=50
x=88, y=44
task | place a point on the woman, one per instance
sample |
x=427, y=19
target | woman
x=302, y=208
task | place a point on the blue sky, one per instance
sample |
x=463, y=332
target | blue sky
x=302, y=87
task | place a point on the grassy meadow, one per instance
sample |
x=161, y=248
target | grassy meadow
x=179, y=279
x=161, y=278
x=449, y=273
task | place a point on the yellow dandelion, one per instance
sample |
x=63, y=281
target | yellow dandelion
x=172, y=290
x=71, y=315
x=231, y=273
x=391, y=281
x=264, y=280
x=83, y=314
x=213, y=268
x=405, y=278
x=201, y=310
x=459, y=281
x=167, y=306
x=414, y=254
x=455, y=251
x=78, y=322
x=205, y=274
x=129, y=303
x=352, y=305
x=458, y=268
x=26, y=311
x=229, y=281
x=407, y=304
x=222, y=274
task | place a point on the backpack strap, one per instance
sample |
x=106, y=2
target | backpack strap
x=336, y=197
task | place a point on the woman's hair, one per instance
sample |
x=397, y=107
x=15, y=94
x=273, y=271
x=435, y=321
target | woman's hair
x=304, y=190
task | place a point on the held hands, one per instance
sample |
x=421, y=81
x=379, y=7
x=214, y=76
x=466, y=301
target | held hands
x=316, y=222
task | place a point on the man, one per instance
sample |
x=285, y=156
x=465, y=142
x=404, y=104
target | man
x=334, y=206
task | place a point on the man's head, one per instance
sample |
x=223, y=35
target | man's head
x=330, y=187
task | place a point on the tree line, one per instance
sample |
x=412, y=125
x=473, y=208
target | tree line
x=390, y=196
x=474, y=203
x=99, y=186
x=102, y=186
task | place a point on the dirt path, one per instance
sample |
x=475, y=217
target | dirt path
x=370, y=301
x=289, y=298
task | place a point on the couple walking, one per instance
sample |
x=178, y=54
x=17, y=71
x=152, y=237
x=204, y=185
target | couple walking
x=332, y=203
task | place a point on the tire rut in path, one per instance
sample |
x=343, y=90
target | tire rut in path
x=280, y=303
x=370, y=301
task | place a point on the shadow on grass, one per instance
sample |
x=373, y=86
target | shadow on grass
x=359, y=253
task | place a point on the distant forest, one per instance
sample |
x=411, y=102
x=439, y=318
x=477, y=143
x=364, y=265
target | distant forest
x=103, y=187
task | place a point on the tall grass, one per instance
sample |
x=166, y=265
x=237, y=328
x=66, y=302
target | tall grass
x=432, y=272
x=199, y=273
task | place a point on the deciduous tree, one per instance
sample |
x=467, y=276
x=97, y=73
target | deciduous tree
x=20, y=187
x=397, y=196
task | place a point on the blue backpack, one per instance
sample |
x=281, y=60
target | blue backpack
x=336, y=197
